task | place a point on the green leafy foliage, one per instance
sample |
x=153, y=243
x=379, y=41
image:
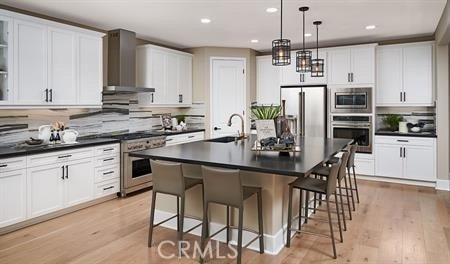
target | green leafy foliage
x=263, y=112
x=392, y=121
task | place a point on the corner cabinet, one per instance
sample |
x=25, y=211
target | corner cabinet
x=405, y=75
x=351, y=66
x=168, y=71
x=54, y=65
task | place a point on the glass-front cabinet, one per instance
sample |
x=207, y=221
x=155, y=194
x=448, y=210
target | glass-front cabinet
x=5, y=60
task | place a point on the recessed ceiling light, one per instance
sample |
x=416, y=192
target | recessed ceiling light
x=371, y=27
x=308, y=35
x=205, y=20
x=254, y=41
x=271, y=10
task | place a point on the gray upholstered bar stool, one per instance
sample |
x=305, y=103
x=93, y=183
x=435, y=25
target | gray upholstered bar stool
x=224, y=187
x=168, y=179
x=325, y=187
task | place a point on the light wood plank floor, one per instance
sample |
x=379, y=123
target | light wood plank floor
x=393, y=224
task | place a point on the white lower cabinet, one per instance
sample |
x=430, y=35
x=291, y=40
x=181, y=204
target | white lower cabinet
x=364, y=164
x=79, y=183
x=184, y=138
x=406, y=157
x=12, y=197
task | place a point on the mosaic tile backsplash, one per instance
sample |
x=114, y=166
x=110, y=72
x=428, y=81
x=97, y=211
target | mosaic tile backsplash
x=120, y=114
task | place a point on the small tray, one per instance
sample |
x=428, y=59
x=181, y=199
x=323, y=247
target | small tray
x=286, y=150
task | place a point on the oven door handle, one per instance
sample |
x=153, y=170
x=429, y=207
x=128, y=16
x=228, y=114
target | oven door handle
x=351, y=126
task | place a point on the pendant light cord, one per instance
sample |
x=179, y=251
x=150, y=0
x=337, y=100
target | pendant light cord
x=303, y=31
x=281, y=24
x=317, y=41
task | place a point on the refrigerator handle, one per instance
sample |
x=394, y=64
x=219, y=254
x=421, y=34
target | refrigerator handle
x=302, y=114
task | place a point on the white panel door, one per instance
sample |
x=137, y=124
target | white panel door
x=185, y=79
x=267, y=81
x=90, y=65
x=45, y=189
x=339, y=63
x=62, y=67
x=389, y=76
x=228, y=93
x=158, y=76
x=79, y=182
x=419, y=163
x=363, y=65
x=30, y=60
x=172, y=75
x=12, y=197
x=388, y=162
x=417, y=74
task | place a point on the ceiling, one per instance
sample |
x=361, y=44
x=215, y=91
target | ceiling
x=235, y=22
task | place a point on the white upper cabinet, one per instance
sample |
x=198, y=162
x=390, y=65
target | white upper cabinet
x=351, y=66
x=30, y=60
x=168, y=71
x=54, y=64
x=289, y=75
x=6, y=60
x=405, y=75
x=267, y=81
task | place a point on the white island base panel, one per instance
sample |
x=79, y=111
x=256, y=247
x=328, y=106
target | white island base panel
x=275, y=204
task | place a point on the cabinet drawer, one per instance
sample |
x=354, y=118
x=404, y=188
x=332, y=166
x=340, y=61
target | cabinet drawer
x=13, y=164
x=416, y=141
x=107, y=150
x=184, y=138
x=57, y=157
x=106, y=188
x=107, y=173
x=108, y=160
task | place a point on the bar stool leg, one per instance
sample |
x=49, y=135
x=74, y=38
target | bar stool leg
x=300, y=204
x=289, y=220
x=152, y=218
x=204, y=228
x=348, y=197
x=178, y=214
x=356, y=184
x=331, y=227
x=228, y=225
x=203, y=199
x=240, y=227
x=260, y=223
x=306, y=207
x=339, y=218
x=351, y=188
x=181, y=224
x=342, y=205
x=315, y=199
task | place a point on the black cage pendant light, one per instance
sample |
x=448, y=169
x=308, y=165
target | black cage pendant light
x=317, y=64
x=303, y=56
x=281, y=48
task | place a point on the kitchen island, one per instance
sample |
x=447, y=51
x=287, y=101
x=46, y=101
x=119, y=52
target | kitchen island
x=268, y=170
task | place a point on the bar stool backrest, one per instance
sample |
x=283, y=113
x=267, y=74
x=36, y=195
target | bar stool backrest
x=222, y=186
x=343, y=169
x=192, y=171
x=167, y=177
x=332, y=178
x=351, y=160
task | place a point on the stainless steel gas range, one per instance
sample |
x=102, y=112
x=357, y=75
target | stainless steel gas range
x=136, y=173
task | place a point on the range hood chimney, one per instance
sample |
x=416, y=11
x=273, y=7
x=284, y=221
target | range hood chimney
x=122, y=63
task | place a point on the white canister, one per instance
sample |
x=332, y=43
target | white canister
x=174, y=122
x=402, y=127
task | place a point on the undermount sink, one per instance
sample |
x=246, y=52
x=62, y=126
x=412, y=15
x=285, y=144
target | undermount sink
x=223, y=139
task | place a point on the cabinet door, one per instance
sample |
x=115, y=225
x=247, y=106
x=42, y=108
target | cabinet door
x=90, y=65
x=12, y=197
x=30, y=60
x=185, y=79
x=62, y=67
x=363, y=65
x=158, y=75
x=289, y=75
x=318, y=80
x=420, y=163
x=172, y=75
x=267, y=81
x=389, y=76
x=339, y=66
x=417, y=74
x=6, y=58
x=45, y=189
x=79, y=182
x=388, y=162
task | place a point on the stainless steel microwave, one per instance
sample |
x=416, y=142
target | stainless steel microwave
x=351, y=100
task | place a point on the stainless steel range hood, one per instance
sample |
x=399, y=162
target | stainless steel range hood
x=122, y=63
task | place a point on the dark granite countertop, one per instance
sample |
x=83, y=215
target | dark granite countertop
x=314, y=151
x=12, y=151
x=410, y=134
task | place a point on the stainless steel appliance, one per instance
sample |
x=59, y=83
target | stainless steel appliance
x=306, y=106
x=351, y=100
x=122, y=63
x=358, y=128
x=136, y=173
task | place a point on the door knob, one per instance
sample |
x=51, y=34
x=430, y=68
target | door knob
x=217, y=128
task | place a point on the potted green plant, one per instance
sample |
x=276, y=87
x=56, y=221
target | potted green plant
x=265, y=116
x=392, y=121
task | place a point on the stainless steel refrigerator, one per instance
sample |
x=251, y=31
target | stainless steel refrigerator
x=308, y=104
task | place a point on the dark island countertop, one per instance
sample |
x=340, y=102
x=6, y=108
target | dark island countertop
x=238, y=155
x=410, y=134
x=13, y=151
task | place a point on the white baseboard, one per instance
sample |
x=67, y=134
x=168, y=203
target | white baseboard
x=443, y=185
x=396, y=180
